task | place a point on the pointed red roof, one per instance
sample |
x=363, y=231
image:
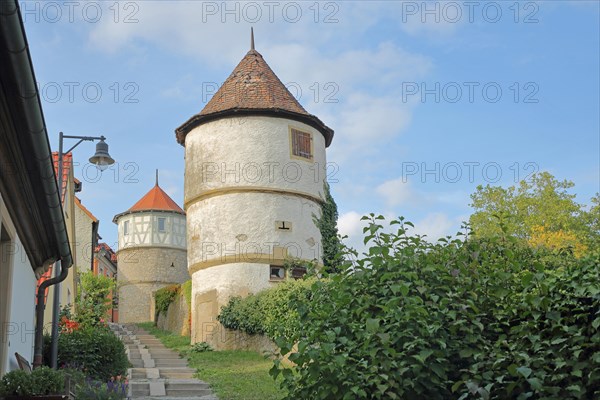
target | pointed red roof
x=156, y=199
x=253, y=85
x=253, y=89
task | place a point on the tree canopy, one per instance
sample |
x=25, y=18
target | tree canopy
x=539, y=210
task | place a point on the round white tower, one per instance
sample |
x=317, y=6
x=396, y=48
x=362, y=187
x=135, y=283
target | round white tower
x=254, y=174
x=152, y=253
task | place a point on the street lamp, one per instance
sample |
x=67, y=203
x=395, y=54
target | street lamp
x=102, y=160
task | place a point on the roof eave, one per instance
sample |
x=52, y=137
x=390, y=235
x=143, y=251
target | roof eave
x=116, y=217
x=200, y=119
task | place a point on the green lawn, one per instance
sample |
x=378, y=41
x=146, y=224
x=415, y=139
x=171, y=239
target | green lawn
x=233, y=375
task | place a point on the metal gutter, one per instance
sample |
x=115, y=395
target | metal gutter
x=20, y=66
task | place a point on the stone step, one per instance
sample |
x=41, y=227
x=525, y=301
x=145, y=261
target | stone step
x=159, y=373
x=170, y=363
x=165, y=356
x=140, y=389
x=186, y=385
x=185, y=389
x=138, y=373
x=153, y=346
x=177, y=373
x=188, y=393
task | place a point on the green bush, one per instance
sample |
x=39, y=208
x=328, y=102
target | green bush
x=42, y=381
x=97, y=351
x=201, y=347
x=273, y=312
x=95, y=300
x=473, y=319
x=164, y=297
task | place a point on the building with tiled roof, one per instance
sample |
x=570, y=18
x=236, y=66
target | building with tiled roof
x=105, y=264
x=255, y=171
x=151, y=254
x=156, y=199
x=69, y=187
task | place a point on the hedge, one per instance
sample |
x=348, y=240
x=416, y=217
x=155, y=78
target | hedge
x=458, y=319
x=273, y=312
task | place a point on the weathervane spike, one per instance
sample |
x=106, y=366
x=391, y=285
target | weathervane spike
x=251, y=38
x=156, y=177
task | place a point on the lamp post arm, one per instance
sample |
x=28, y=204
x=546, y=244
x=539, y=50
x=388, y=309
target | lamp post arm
x=81, y=139
x=60, y=271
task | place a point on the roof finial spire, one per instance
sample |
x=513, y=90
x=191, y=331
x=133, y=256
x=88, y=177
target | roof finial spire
x=157, y=177
x=251, y=38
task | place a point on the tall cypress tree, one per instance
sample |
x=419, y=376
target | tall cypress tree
x=328, y=226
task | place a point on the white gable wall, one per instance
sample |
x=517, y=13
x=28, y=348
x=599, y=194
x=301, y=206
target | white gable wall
x=17, y=297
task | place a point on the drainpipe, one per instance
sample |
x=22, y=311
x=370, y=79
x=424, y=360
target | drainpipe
x=94, y=242
x=36, y=135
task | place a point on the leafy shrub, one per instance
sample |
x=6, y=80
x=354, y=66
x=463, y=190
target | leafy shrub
x=41, y=381
x=97, y=351
x=273, y=312
x=164, y=297
x=485, y=319
x=95, y=299
x=201, y=347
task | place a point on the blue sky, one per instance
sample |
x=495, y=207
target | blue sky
x=427, y=100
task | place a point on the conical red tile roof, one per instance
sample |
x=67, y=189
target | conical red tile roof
x=156, y=199
x=253, y=89
x=253, y=85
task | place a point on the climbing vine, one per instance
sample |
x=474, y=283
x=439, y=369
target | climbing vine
x=164, y=297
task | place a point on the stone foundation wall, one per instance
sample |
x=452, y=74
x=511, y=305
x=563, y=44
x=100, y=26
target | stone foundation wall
x=142, y=271
x=177, y=317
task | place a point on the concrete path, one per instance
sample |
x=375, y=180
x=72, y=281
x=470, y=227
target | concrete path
x=158, y=373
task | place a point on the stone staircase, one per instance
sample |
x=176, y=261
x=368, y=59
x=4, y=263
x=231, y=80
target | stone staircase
x=158, y=373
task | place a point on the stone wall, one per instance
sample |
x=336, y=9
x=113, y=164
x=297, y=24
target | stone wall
x=83, y=240
x=142, y=271
x=212, y=288
x=177, y=317
x=177, y=320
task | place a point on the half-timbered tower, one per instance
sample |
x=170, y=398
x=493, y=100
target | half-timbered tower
x=254, y=176
x=152, y=253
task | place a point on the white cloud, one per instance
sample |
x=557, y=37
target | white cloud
x=435, y=226
x=397, y=192
x=350, y=224
x=356, y=90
